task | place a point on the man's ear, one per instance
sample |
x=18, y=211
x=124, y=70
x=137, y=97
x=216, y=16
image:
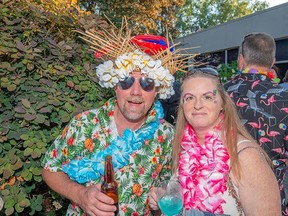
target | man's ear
x=273, y=62
x=241, y=62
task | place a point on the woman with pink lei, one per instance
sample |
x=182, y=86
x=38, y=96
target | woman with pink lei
x=221, y=168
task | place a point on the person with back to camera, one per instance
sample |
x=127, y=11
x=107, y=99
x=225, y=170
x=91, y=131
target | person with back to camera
x=284, y=83
x=130, y=127
x=220, y=166
x=261, y=102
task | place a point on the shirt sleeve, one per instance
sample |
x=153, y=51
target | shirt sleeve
x=65, y=147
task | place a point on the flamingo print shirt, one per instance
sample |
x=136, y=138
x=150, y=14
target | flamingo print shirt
x=263, y=108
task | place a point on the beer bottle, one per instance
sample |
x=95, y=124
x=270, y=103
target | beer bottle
x=110, y=186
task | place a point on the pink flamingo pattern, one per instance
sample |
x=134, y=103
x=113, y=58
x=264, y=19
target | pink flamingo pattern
x=255, y=83
x=256, y=124
x=269, y=101
x=264, y=140
x=285, y=109
x=240, y=104
x=265, y=115
x=271, y=133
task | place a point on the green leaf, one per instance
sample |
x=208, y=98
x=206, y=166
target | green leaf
x=13, y=159
x=18, y=208
x=24, y=203
x=7, y=173
x=25, y=103
x=40, y=118
x=45, y=110
x=4, y=65
x=20, y=109
x=11, y=87
x=20, y=46
x=28, y=143
x=30, y=67
x=18, y=165
x=69, y=107
x=41, y=104
x=29, y=117
x=5, y=192
x=10, y=202
x=9, y=211
x=38, y=178
x=24, y=137
x=28, y=151
x=36, y=153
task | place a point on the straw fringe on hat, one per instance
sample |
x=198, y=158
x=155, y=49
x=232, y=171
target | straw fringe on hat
x=122, y=54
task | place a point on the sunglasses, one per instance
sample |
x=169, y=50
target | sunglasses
x=146, y=83
x=242, y=45
x=206, y=70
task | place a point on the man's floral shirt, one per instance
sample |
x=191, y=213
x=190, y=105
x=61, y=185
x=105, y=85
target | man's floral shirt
x=93, y=131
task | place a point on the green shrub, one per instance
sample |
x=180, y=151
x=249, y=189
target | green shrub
x=46, y=76
x=227, y=71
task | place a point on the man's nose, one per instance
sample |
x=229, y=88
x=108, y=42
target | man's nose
x=136, y=88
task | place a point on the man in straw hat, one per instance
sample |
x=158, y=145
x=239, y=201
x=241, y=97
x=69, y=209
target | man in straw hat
x=130, y=127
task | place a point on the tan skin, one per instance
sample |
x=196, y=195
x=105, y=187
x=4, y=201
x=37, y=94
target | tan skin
x=242, y=65
x=130, y=112
x=257, y=188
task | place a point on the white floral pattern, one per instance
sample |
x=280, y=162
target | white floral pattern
x=109, y=73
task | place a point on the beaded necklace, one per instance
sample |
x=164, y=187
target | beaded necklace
x=269, y=74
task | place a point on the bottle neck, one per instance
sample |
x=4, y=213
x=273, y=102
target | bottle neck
x=109, y=172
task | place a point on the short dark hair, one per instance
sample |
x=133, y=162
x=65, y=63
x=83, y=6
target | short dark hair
x=258, y=49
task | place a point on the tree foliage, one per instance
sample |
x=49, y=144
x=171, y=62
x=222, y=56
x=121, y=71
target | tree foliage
x=46, y=76
x=198, y=15
x=144, y=16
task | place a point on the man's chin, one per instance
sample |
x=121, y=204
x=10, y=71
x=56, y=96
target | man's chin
x=134, y=117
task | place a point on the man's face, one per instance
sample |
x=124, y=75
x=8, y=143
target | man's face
x=134, y=102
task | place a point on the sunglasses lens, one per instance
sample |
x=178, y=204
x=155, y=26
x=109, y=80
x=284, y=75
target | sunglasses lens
x=147, y=83
x=126, y=83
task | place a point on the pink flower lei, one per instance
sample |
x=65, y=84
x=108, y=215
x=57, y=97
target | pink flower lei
x=203, y=170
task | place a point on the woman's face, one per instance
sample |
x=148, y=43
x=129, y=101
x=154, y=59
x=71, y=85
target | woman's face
x=201, y=103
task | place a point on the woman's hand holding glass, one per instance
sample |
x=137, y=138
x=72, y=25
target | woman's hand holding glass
x=169, y=197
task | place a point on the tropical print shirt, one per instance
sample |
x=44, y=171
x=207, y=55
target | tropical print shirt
x=263, y=108
x=93, y=131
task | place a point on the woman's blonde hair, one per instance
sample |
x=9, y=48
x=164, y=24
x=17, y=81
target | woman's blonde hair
x=232, y=126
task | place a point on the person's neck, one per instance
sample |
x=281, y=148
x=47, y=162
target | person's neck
x=201, y=136
x=255, y=69
x=122, y=123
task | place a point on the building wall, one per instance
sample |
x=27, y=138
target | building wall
x=229, y=35
x=221, y=42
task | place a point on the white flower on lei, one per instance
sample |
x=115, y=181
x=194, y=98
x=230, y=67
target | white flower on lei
x=108, y=78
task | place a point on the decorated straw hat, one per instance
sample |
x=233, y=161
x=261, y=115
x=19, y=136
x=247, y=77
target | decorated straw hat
x=154, y=56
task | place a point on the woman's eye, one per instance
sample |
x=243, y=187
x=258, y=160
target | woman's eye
x=188, y=98
x=208, y=97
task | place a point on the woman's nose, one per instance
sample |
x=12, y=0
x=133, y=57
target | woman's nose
x=198, y=104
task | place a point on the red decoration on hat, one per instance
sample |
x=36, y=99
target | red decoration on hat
x=150, y=44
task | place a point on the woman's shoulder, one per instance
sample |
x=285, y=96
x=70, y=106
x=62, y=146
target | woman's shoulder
x=244, y=143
